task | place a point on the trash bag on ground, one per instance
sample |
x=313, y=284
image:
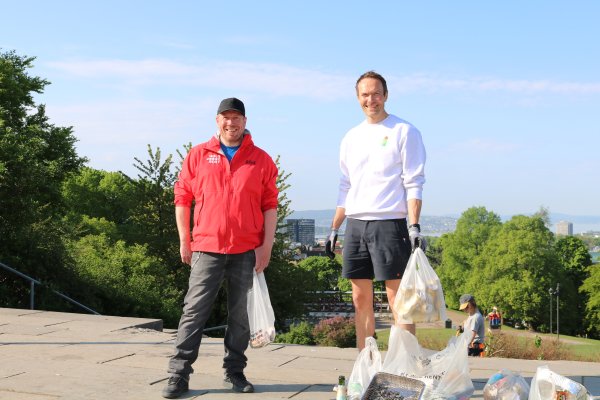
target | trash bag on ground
x=506, y=385
x=367, y=364
x=420, y=296
x=445, y=373
x=548, y=385
x=260, y=313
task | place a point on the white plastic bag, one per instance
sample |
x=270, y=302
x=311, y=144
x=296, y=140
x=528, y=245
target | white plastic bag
x=506, y=385
x=367, y=364
x=548, y=385
x=420, y=296
x=446, y=373
x=260, y=313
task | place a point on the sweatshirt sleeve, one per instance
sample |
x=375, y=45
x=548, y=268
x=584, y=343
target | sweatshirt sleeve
x=344, y=178
x=413, y=159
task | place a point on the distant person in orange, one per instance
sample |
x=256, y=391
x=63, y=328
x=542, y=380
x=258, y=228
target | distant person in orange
x=495, y=318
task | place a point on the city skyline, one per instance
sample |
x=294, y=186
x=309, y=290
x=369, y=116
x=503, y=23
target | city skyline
x=508, y=116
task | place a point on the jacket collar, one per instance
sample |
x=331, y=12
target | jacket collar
x=215, y=144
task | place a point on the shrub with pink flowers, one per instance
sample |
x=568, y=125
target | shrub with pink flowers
x=336, y=331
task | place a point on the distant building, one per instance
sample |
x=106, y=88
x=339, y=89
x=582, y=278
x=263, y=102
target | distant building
x=301, y=230
x=564, y=228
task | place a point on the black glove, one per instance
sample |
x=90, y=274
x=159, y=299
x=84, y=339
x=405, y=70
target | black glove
x=330, y=245
x=416, y=240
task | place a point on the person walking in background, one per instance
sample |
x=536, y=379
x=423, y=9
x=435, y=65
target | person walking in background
x=233, y=185
x=382, y=162
x=474, y=325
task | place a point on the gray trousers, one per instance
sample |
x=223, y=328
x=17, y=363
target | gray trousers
x=206, y=276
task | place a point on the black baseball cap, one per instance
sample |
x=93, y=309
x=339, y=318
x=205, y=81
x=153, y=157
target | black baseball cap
x=232, y=104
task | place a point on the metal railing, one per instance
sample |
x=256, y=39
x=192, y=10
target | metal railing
x=33, y=282
x=334, y=301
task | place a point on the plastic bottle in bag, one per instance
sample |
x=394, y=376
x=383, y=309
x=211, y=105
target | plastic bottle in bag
x=341, y=388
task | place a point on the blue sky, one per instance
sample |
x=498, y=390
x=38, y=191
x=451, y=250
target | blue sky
x=506, y=94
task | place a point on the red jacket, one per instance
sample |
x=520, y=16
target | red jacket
x=230, y=198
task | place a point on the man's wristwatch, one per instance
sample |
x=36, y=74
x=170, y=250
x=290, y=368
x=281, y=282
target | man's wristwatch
x=416, y=226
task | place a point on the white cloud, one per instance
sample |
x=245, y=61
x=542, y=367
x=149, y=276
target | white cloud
x=433, y=83
x=285, y=80
x=275, y=79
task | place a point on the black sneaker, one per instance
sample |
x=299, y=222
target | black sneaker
x=238, y=382
x=176, y=386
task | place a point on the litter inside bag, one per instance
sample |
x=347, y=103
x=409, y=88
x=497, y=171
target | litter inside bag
x=386, y=386
x=446, y=373
x=260, y=313
x=506, y=385
x=420, y=296
x=367, y=364
x=548, y=385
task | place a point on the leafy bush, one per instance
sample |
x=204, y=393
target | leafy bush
x=336, y=331
x=300, y=333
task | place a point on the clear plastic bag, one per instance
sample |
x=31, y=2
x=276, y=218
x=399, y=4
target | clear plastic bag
x=367, y=364
x=446, y=373
x=260, y=313
x=506, y=385
x=420, y=296
x=548, y=385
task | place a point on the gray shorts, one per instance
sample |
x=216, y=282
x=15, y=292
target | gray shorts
x=375, y=249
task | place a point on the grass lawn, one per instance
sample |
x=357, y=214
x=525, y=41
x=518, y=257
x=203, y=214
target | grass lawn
x=575, y=348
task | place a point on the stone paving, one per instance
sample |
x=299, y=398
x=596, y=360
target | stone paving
x=48, y=355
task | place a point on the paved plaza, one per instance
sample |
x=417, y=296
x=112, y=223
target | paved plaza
x=49, y=355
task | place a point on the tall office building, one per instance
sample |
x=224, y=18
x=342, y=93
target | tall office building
x=301, y=230
x=564, y=228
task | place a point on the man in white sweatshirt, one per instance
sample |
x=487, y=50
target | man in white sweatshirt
x=382, y=161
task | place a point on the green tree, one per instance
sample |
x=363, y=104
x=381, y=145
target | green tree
x=515, y=269
x=92, y=196
x=591, y=287
x=125, y=280
x=461, y=248
x=153, y=216
x=544, y=214
x=35, y=158
x=575, y=259
x=324, y=272
x=287, y=283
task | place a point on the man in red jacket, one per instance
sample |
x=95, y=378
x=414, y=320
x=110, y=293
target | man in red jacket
x=233, y=185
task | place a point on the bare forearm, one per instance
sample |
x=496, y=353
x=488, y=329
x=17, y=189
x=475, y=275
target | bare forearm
x=270, y=217
x=338, y=218
x=414, y=210
x=182, y=217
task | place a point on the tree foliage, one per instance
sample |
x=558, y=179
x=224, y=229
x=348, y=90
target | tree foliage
x=35, y=158
x=92, y=196
x=591, y=288
x=460, y=248
x=124, y=280
x=324, y=273
x=517, y=266
x=287, y=283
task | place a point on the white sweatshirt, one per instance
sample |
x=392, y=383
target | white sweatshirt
x=382, y=166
